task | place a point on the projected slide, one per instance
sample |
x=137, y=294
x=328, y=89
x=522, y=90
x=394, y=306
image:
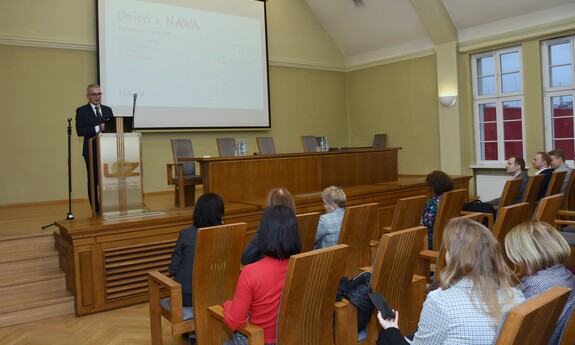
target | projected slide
x=184, y=67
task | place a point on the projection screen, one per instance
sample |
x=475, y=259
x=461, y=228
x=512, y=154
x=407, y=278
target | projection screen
x=185, y=63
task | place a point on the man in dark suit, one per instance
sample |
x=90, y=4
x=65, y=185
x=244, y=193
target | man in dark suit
x=540, y=163
x=515, y=167
x=91, y=119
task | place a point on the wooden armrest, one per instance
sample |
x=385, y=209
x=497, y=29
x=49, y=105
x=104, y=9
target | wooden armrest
x=345, y=323
x=366, y=269
x=564, y=222
x=427, y=258
x=157, y=281
x=179, y=167
x=472, y=215
x=566, y=213
x=161, y=279
x=490, y=220
x=429, y=254
x=373, y=247
x=386, y=229
x=254, y=333
x=216, y=311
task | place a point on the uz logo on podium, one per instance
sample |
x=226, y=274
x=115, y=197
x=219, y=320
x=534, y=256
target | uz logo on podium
x=121, y=169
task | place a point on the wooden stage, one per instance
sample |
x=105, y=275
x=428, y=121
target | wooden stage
x=106, y=261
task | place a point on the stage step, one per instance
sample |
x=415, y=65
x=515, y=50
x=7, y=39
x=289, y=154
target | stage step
x=32, y=286
x=38, y=241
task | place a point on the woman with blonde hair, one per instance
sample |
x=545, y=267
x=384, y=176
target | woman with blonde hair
x=475, y=291
x=538, y=252
x=333, y=199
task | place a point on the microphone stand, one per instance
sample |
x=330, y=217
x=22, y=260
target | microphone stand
x=69, y=215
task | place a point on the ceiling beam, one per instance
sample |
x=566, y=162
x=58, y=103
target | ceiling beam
x=436, y=20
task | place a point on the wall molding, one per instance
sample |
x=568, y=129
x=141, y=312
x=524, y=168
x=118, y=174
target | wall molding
x=389, y=60
x=306, y=65
x=69, y=45
x=519, y=35
x=45, y=43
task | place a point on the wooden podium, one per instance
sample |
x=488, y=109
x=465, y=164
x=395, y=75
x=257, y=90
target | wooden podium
x=120, y=173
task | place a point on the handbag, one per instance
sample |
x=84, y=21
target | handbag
x=480, y=206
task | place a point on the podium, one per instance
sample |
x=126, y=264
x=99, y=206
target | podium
x=120, y=173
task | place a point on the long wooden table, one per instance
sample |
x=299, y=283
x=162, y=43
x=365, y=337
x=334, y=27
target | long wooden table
x=106, y=261
x=248, y=177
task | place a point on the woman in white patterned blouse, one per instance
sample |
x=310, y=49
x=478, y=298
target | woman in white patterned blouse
x=475, y=292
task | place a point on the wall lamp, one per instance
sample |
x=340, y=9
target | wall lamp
x=447, y=101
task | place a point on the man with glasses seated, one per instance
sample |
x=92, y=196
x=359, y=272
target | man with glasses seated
x=91, y=119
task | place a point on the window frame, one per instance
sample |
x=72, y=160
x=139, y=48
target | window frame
x=498, y=98
x=550, y=92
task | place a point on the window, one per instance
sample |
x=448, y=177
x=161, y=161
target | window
x=559, y=89
x=498, y=105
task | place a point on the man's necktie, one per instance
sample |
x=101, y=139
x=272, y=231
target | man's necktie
x=98, y=114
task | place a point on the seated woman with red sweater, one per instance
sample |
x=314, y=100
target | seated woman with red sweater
x=260, y=284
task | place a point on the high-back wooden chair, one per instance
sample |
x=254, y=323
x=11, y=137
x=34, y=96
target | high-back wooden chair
x=266, y=145
x=216, y=271
x=182, y=174
x=392, y=276
x=357, y=228
x=509, y=217
x=510, y=192
x=309, y=143
x=226, y=147
x=379, y=141
x=556, y=183
x=547, y=208
x=307, y=305
x=533, y=321
x=436, y=258
x=449, y=207
x=307, y=226
x=566, y=215
x=407, y=213
x=570, y=194
x=532, y=191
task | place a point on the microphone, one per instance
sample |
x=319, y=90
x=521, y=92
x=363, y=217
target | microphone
x=134, y=105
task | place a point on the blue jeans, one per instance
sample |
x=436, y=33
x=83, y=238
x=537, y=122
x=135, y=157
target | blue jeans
x=239, y=339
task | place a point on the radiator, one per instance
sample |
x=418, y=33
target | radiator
x=489, y=187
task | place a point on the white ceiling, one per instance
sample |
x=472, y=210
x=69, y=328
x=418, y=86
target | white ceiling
x=386, y=28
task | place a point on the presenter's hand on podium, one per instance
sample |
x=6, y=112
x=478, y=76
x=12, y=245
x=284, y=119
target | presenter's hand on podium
x=102, y=127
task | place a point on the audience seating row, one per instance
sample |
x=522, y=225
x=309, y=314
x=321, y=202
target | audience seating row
x=392, y=273
x=308, y=302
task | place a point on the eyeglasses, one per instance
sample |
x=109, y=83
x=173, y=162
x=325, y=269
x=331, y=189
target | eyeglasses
x=96, y=94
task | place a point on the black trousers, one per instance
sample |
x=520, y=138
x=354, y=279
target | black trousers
x=96, y=181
